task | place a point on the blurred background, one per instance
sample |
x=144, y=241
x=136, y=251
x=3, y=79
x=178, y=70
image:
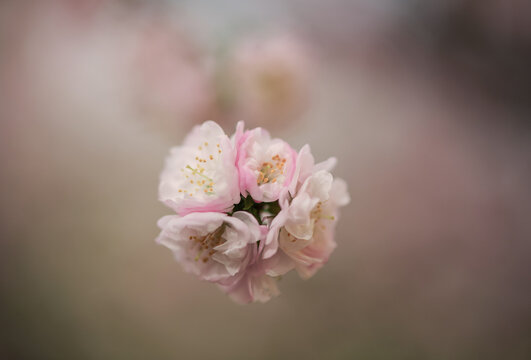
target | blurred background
x=426, y=104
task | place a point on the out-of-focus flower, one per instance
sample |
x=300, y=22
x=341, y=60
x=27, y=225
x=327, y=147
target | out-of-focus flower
x=201, y=175
x=213, y=246
x=254, y=284
x=266, y=165
x=171, y=80
x=269, y=80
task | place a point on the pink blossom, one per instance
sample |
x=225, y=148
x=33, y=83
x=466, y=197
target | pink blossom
x=296, y=214
x=200, y=175
x=304, y=228
x=300, y=220
x=253, y=285
x=306, y=167
x=258, y=282
x=311, y=254
x=266, y=166
x=214, y=246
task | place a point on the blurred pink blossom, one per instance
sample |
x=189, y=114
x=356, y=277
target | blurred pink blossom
x=269, y=80
x=171, y=80
x=253, y=285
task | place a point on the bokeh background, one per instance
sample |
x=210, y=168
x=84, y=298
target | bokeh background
x=426, y=104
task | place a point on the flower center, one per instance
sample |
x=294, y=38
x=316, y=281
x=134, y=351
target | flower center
x=195, y=174
x=317, y=214
x=271, y=170
x=206, y=244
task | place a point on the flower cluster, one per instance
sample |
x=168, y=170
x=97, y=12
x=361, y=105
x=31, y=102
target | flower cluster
x=248, y=209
